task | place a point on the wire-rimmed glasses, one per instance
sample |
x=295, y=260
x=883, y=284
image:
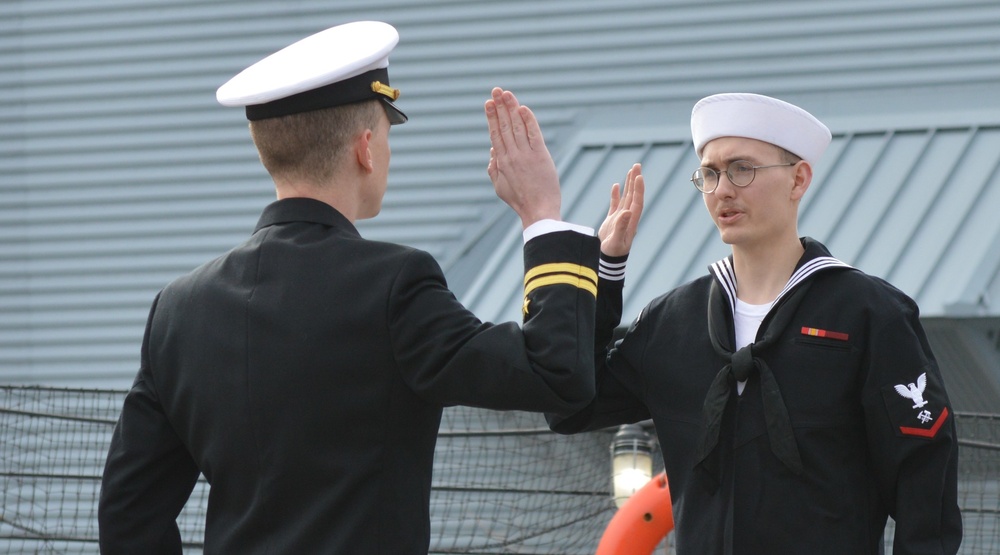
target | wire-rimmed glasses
x=740, y=173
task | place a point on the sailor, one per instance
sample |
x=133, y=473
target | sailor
x=796, y=399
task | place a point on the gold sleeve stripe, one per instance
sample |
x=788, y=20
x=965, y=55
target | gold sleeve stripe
x=554, y=279
x=561, y=268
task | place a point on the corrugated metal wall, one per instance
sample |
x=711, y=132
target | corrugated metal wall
x=914, y=205
x=118, y=171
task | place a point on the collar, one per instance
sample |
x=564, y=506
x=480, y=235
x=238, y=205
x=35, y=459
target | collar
x=816, y=258
x=303, y=210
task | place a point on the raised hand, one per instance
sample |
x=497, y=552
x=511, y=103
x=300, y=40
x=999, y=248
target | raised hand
x=521, y=168
x=624, y=211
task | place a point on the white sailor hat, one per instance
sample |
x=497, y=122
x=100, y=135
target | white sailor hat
x=759, y=117
x=341, y=65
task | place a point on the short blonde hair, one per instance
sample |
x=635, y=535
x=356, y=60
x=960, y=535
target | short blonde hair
x=788, y=157
x=310, y=146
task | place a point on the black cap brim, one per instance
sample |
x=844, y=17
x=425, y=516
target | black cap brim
x=396, y=116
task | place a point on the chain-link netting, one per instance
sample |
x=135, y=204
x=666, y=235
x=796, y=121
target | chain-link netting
x=502, y=482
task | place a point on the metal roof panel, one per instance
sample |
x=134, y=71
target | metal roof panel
x=914, y=205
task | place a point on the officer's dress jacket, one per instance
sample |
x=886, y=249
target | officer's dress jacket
x=853, y=347
x=304, y=373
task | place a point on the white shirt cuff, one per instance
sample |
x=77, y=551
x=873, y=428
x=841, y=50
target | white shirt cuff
x=541, y=227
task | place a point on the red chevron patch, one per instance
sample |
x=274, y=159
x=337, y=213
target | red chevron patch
x=930, y=432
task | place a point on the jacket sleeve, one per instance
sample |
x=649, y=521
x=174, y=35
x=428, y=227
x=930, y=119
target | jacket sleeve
x=912, y=436
x=447, y=355
x=148, y=476
x=618, y=399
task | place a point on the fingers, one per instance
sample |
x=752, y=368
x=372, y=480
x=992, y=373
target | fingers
x=637, y=193
x=632, y=194
x=615, y=198
x=523, y=173
x=493, y=121
x=630, y=183
x=505, y=102
x=518, y=124
x=532, y=130
x=619, y=227
x=512, y=125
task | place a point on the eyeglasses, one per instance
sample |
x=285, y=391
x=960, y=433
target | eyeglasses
x=740, y=172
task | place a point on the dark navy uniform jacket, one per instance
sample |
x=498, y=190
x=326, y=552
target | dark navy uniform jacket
x=864, y=395
x=304, y=373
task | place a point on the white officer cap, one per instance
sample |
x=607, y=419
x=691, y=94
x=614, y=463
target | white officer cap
x=759, y=117
x=341, y=65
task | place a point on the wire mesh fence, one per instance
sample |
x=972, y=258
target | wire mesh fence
x=502, y=482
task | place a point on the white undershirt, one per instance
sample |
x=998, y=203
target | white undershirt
x=747, y=318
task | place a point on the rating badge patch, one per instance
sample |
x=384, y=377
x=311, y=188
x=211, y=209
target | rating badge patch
x=918, y=407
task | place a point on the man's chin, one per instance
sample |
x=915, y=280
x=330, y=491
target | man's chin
x=728, y=236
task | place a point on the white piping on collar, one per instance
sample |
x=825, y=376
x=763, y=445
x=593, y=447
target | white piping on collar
x=726, y=275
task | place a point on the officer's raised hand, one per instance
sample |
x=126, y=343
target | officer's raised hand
x=521, y=168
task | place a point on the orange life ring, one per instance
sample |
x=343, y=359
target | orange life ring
x=641, y=523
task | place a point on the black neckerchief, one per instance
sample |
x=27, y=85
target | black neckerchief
x=743, y=362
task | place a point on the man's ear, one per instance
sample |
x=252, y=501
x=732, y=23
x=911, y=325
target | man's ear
x=803, y=177
x=363, y=152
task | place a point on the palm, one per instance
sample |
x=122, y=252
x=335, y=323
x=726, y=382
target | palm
x=521, y=168
x=625, y=209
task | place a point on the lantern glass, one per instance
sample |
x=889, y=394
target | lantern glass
x=631, y=463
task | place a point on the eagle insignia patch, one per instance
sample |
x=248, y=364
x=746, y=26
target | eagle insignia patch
x=917, y=408
x=914, y=391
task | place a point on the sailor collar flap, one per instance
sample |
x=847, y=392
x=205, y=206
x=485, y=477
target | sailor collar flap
x=816, y=258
